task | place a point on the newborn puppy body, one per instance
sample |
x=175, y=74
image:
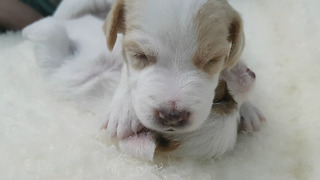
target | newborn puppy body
x=173, y=54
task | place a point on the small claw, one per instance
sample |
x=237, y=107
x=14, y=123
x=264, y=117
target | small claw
x=104, y=126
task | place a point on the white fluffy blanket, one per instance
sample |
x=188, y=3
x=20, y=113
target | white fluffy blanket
x=42, y=137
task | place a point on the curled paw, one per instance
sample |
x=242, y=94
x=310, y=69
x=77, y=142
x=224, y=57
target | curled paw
x=251, y=117
x=122, y=121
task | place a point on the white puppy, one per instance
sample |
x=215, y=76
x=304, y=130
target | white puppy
x=174, y=53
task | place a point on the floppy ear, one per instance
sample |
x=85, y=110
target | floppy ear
x=237, y=40
x=114, y=23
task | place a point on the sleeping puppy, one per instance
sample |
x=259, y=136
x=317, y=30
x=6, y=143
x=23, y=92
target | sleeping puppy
x=170, y=68
x=216, y=136
x=174, y=52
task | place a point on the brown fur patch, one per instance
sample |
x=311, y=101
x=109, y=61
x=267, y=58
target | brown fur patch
x=236, y=38
x=164, y=145
x=220, y=37
x=212, y=35
x=223, y=102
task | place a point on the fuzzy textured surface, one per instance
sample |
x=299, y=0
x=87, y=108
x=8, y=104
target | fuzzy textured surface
x=42, y=137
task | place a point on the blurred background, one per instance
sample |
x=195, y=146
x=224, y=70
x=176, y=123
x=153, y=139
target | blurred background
x=16, y=14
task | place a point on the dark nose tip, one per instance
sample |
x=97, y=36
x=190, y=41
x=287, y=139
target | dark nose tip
x=172, y=117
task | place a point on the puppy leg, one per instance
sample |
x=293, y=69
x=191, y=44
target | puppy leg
x=251, y=117
x=241, y=80
x=121, y=118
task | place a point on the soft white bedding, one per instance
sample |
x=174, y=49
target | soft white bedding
x=42, y=137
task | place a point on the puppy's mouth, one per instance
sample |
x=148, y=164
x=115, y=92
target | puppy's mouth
x=170, y=130
x=161, y=130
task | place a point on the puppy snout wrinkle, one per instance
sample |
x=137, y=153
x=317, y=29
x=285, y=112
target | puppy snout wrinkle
x=172, y=117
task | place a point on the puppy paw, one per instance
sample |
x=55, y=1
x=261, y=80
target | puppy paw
x=122, y=121
x=251, y=117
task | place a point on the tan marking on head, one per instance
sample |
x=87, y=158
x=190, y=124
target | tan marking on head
x=119, y=20
x=237, y=39
x=220, y=37
x=223, y=102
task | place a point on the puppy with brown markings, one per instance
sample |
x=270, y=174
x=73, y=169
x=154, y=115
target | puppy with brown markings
x=174, y=53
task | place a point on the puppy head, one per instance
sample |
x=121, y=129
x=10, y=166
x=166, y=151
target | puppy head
x=175, y=51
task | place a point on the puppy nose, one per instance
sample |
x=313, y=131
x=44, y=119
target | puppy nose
x=173, y=117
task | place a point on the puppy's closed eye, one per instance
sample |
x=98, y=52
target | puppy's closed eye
x=139, y=56
x=140, y=60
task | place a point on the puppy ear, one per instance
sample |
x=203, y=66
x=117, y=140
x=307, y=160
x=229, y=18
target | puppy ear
x=114, y=23
x=237, y=40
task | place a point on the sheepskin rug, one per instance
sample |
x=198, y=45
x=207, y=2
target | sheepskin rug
x=44, y=137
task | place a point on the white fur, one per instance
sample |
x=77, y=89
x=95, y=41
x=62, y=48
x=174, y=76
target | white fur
x=142, y=146
x=69, y=9
x=75, y=60
x=216, y=136
x=213, y=139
